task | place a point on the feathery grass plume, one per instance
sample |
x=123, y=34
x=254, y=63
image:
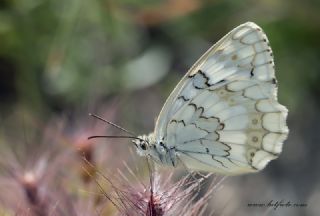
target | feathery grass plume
x=37, y=171
x=161, y=195
x=32, y=186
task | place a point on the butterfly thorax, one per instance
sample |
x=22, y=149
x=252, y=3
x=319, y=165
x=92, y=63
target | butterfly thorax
x=156, y=149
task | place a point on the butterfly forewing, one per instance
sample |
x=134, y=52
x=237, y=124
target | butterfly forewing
x=223, y=116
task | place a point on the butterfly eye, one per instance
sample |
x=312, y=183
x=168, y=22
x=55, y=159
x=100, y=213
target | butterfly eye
x=143, y=146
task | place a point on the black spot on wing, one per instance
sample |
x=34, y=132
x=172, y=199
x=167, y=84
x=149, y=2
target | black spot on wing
x=178, y=121
x=202, y=77
x=182, y=97
x=196, y=108
x=221, y=81
x=251, y=72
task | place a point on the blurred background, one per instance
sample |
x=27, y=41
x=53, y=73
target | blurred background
x=60, y=60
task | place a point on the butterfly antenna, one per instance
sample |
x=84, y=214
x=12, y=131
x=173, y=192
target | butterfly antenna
x=104, y=136
x=113, y=124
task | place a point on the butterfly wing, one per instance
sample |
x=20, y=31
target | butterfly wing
x=223, y=116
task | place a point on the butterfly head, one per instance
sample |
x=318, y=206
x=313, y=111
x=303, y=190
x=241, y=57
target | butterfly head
x=143, y=144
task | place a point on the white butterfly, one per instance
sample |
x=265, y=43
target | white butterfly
x=223, y=116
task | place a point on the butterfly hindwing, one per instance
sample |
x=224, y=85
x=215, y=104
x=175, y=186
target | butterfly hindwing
x=223, y=116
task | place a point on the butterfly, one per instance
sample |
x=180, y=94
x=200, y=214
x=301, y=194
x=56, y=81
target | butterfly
x=223, y=116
